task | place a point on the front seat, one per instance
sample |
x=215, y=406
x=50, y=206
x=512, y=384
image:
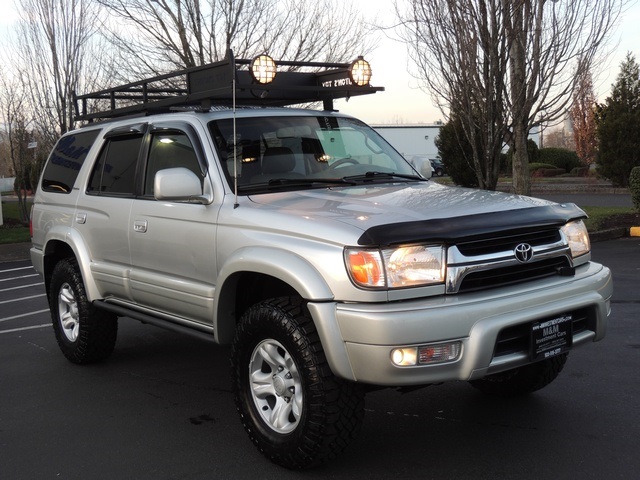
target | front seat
x=277, y=162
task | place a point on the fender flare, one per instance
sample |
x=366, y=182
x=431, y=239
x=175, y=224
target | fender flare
x=75, y=242
x=284, y=265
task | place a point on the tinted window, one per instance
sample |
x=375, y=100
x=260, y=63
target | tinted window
x=114, y=172
x=65, y=161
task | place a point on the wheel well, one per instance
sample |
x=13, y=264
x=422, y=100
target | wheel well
x=54, y=253
x=241, y=291
x=253, y=288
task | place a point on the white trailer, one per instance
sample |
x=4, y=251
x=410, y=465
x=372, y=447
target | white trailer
x=416, y=143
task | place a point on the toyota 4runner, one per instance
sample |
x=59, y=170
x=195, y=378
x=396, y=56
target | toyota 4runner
x=197, y=202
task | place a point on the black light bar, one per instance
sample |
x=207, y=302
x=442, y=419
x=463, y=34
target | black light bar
x=258, y=82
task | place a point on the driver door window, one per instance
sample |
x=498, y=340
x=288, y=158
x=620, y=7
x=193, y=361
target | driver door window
x=169, y=149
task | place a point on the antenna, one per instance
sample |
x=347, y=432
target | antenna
x=235, y=146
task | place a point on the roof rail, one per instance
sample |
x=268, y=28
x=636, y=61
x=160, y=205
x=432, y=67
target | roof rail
x=258, y=82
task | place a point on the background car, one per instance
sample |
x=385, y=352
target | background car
x=437, y=167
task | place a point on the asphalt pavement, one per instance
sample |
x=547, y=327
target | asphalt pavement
x=161, y=407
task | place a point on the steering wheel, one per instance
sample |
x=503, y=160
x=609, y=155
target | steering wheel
x=343, y=161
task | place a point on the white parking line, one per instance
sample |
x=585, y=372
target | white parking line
x=17, y=278
x=25, y=328
x=23, y=298
x=22, y=286
x=6, y=319
x=15, y=269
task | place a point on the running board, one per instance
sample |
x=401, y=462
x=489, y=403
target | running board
x=151, y=320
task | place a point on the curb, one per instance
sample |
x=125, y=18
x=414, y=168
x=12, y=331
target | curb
x=609, y=234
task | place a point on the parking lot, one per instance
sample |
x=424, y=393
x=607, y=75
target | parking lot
x=161, y=407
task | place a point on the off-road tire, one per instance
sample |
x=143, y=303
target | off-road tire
x=84, y=333
x=326, y=412
x=522, y=380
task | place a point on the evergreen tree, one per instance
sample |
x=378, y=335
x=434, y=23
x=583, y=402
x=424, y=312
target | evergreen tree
x=456, y=153
x=618, y=125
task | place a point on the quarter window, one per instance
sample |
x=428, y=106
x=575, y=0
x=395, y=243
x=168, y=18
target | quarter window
x=66, y=160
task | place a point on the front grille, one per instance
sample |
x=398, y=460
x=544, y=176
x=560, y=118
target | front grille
x=517, y=339
x=525, y=272
x=506, y=242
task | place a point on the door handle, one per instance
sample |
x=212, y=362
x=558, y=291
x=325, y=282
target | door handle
x=140, y=226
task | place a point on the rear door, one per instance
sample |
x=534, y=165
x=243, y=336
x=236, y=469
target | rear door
x=103, y=215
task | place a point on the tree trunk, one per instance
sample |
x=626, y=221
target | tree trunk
x=521, y=177
x=517, y=57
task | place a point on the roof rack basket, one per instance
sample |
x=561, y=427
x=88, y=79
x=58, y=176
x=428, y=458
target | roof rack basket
x=202, y=87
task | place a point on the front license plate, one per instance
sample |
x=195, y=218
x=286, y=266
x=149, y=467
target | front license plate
x=551, y=337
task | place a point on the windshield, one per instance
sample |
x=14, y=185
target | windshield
x=305, y=152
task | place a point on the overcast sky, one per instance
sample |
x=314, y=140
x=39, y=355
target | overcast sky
x=402, y=101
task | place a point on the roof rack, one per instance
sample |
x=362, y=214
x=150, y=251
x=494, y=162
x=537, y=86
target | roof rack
x=257, y=82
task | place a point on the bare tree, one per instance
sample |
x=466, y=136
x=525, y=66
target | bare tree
x=460, y=50
x=56, y=55
x=156, y=36
x=547, y=43
x=16, y=136
x=582, y=115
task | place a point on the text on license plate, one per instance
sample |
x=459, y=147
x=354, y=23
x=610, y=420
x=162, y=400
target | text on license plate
x=551, y=337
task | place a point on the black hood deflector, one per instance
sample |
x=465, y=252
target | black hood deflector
x=471, y=227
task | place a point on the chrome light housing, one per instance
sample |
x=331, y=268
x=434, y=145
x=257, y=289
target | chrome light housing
x=407, y=266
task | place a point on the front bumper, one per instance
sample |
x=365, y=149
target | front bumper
x=358, y=338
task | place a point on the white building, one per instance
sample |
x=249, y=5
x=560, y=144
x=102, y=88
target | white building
x=411, y=140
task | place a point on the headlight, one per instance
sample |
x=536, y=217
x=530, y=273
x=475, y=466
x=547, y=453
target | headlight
x=578, y=238
x=410, y=266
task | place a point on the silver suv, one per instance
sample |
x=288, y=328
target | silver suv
x=305, y=241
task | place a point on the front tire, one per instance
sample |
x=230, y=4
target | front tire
x=84, y=333
x=522, y=380
x=294, y=409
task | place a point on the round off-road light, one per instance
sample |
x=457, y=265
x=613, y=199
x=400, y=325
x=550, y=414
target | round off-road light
x=360, y=72
x=263, y=69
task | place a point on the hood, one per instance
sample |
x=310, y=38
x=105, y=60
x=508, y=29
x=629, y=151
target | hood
x=395, y=213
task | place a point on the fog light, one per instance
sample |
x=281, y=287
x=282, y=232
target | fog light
x=426, y=354
x=404, y=357
x=440, y=353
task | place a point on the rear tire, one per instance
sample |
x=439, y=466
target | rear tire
x=84, y=333
x=294, y=409
x=522, y=380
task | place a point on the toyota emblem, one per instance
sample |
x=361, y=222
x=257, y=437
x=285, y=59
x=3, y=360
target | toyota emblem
x=523, y=253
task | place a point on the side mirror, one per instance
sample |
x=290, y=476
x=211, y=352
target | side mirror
x=179, y=185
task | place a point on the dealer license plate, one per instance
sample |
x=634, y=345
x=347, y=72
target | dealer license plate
x=551, y=337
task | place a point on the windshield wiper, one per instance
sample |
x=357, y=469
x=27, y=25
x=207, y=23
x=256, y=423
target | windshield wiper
x=276, y=183
x=371, y=176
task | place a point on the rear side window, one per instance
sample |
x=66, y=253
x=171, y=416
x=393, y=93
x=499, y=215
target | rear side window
x=115, y=171
x=65, y=161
